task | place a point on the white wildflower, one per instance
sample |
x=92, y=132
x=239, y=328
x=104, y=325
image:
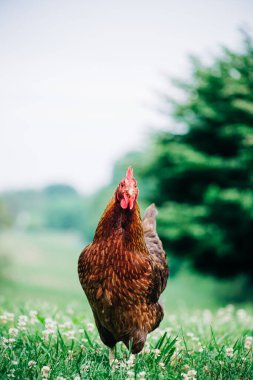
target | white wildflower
x=8, y=343
x=14, y=362
x=191, y=374
x=81, y=331
x=32, y=363
x=22, y=321
x=50, y=325
x=185, y=376
x=90, y=327
x=207, y=317
x=33, y=313
x=7, y=317
x=70, y=354
x=45, y=371
x=11, y=373
x=66, y=325
x=10, y=316
x=130, y=361
x=77, y=377
x=85, y=367
x=60, y=378
x=230, y=308
x=13, y=331
x=70, y=334
x=248, y=342
x=156, y=352
x=229, y=352
x=33, y=316
x=174, y=358
x=130, y=374
x=23, y=318
x=241, y=315
x=3, y=318
x=200, y=348
x=162, y=365
x=190, y=334
x=45, y=334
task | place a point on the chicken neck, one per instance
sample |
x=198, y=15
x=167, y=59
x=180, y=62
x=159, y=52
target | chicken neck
x=121, y=224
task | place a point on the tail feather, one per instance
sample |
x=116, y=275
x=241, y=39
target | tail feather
x=156, y=251
x=149, y=219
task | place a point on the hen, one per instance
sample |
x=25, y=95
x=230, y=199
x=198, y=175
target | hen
x=124, y=270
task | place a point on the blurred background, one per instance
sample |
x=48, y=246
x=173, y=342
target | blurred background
x=88, y=88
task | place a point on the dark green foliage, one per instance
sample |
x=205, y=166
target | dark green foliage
x=203, y=178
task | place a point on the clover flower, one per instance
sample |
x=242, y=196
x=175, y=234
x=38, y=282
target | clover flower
x=69, y=334
x=141, y=375
x=156, y=352
x=90, y=327
x=229, y=352
x=130, y=375
x=22, y=322
x=8, y=343
x=33, y=316
x=190, y=375
x=13, y=331
x=11, y=373
x=50, y=325
x=161, y=365
x=32, y=364
x=45, y=371
x=66, y=325
x=6, y=317
x=248, y=342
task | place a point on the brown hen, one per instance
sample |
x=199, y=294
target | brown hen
x=124, y=270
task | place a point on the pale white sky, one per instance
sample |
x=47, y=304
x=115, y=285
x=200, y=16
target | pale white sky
x=78, y=79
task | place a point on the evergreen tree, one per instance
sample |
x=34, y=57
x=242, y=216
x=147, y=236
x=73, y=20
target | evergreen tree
x=202, y=180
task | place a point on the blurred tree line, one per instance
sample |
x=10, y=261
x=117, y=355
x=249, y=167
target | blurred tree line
x=201, y=179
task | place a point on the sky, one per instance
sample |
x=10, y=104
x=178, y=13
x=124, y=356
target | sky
x=80, y=80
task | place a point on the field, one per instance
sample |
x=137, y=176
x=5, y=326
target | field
x=47, y=330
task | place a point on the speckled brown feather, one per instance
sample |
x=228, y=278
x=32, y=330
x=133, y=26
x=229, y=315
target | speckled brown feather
x=123, y=276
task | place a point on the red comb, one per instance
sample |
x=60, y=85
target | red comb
x=129, y=173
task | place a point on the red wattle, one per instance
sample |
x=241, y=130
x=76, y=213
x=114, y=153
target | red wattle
x=124, y=202
x=131, y=203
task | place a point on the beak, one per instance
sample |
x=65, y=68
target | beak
x=130, y=191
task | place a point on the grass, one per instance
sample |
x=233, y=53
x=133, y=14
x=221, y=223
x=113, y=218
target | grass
x=52, y=343
x=45, y=321
x=43, y=266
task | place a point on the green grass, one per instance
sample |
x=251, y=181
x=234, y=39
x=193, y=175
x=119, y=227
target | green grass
x=215, y=345
x=197, y=334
